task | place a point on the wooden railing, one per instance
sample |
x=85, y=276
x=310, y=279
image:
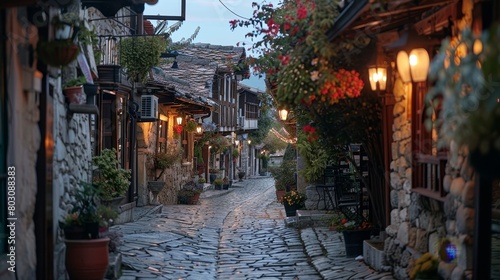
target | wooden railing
x=428, y=175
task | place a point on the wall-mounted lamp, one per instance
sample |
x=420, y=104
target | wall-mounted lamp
x=237, y=142
x=249, y=141
x=283, y=114
x=413, y=67
x=378, y=77
x=178, y=120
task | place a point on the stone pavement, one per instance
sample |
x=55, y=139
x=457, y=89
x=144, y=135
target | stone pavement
x=239, y=233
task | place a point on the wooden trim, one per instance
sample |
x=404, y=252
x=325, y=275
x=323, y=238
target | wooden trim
x=429, y=194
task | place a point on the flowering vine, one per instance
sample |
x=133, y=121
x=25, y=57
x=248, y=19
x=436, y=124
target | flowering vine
x=295, y=55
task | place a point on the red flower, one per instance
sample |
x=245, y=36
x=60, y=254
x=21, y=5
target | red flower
x=301, y=13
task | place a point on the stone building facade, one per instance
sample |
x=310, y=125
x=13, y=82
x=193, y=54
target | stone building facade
x=418, y=223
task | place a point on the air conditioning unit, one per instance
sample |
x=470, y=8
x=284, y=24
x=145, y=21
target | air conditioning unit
x=149, y=108
x=241, y=121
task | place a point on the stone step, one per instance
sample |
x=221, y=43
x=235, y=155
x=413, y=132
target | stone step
x=312, y=218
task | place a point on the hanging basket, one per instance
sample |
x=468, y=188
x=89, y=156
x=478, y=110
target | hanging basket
x=57, y=53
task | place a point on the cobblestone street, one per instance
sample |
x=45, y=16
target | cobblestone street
x=234, y=234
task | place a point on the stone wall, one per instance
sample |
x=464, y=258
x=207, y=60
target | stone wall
x=174, y=177
x=23, y=143
x=418, y=224
x=72, y=146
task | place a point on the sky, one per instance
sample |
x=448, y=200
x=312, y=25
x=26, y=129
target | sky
x=213, y=19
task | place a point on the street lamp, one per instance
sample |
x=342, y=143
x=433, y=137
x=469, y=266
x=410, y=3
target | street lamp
x=283, y=114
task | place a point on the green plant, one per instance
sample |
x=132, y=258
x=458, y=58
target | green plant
x=213, y=170
x=293, y=198
x=284, y=175
x=315, y=159
x=112, y=180
x=341, y=222
x=218, y=181
x=78, y=81
x=236, y=153
x=467, y=82
x=191, y=126
x=219, y=143
x=139, y=54
x=201, y=180
x=188, y=190
x=107, y=215
x=71, y=220
x=163, y=160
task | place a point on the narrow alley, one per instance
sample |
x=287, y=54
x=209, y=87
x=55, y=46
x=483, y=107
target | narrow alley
x=234, y=234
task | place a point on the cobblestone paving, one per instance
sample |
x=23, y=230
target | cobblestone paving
x=235, y=234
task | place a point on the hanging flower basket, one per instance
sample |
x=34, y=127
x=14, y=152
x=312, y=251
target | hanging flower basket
x=57, y=53
x=178, y=129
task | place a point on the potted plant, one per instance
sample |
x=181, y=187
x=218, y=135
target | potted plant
x=158, y=163
x=191, y=126
x=189, y=193
x=284, y=177
x=213, y=174
x=73, y=90
x=225, y=183
x=293, y=201
x=218, y=183
x=241, y=175
x=111, y=180
x=354, y=229
x=87, y=254
x=57, y=53
x=138, y=55
x=65, y=24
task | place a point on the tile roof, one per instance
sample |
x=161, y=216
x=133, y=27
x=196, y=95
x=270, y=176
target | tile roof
x=198, y=64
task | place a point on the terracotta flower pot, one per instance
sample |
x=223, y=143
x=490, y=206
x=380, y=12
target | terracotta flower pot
x=87, y=259
x=74, y=95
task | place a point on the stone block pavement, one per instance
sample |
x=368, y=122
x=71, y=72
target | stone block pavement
x=240, y=233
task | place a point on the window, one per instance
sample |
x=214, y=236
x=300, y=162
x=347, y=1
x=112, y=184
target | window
x=114, y=125
x=251, y=111
x=428, y=162
x=162, y=136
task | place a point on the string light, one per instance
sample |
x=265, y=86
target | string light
x=283, y=138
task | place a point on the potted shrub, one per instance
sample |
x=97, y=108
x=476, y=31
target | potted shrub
x=218, y=183
x=158, y=163
x=354, y=229
x=111, y=180
x=191, y=126
x=225, y=183
x=293, y=201
x=189, y=193
x=138, y=55
x=73, y=90
x=87, y=254
x=241, y=175
x=213, y=174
